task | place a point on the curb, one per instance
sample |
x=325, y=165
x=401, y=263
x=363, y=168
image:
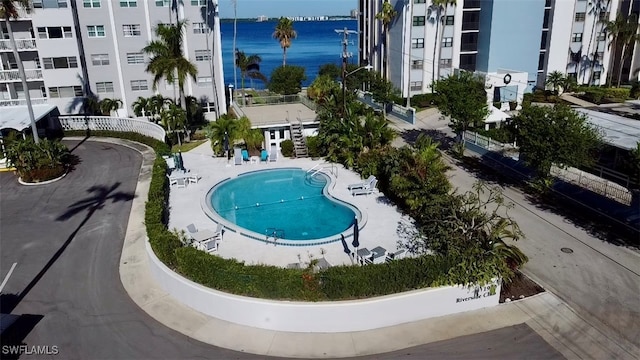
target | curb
x=42, y=182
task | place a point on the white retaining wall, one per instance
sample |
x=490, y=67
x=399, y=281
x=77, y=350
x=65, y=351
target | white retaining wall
x=323, y=317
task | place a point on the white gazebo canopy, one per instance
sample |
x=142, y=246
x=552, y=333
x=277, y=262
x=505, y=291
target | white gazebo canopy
x=17, y=117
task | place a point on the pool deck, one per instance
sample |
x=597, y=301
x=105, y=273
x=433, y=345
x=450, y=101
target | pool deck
x=378, y=229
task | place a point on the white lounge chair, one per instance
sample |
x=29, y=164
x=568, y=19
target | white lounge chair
x=209, y=245
x=366, y=191
x=363, y=185
x=191, y=230
x=193, y=178
x=379, y=255
x=181, y=182
x=172, y=181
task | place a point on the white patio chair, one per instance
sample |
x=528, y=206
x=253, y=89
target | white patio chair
x=172, y=181
x=193, y=178
x=210, y=245
x=181, y=182
x=366, y=191
x=363, y=185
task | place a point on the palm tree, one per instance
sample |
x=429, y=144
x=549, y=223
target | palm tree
x=9, y=10
x=556, y=80
x=107, y=105
x=614, y=28
x=387, y=14
x=141, y=107
x=628, y=35
x=438, y=7
x=167, y=60
x=225, y=126
x=596, y=8
x=284, y=34
x=249, y=67
x=156, y=104
x=173, y=118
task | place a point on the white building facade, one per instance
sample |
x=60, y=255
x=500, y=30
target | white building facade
x=73, y=48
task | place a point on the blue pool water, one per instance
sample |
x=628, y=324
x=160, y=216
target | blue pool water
x=285, y=199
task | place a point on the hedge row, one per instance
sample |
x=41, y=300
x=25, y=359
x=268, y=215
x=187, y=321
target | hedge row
x=272, y=282
x=599, y=94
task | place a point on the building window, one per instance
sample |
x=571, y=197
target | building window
x=596, y=75
x=43, y=91
x=139, y=85
x=55, y=32
x=417, y=43
x=131, y=30
x=65, y=91
x=128, y=3
x=104, y=87
x=416, y=85
x=448, y=20
x=49, y=4
x=599, y=56
x=468, y=62
x=198, y=2
x=418, y=20
x=543, y=40
x=163, y=3
x=447, y=42
x=469, y=41
x=576, y=37
x=419, y=1
x=204, y=81
x=60, y=62
x=470, y=20
x=417, y=64
x=96, y=31
x=445, y=62
x=579, y=17
x=135, y=58
x=203, y=55
x=602, y=36
x=91, y=3
x=199, y=28
x=541, y=61
x=99, y=59
x=603, y=16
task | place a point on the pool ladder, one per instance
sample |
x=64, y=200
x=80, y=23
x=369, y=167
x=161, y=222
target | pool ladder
x=274, y=233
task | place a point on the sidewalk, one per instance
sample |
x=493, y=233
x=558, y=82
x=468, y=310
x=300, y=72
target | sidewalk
x=551, y=318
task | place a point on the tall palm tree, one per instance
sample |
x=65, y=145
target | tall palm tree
x=167, y=60
x=438, y=7
x=628, y=35
x=613, y=28
x=216, y=132
x=596, y=9
x=284, y=34
x=387, y=14
x=8, y=11
x=249, y=67
x=555, y=80
x=174, y=118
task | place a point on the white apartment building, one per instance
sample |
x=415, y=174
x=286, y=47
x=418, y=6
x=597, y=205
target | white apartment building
x=72, y=48
x=533, y=36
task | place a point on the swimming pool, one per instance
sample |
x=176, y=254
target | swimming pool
x=288, y=203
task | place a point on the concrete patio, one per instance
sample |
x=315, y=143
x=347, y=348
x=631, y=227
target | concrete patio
x=380, y=228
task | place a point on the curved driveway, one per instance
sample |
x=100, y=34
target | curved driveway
x=66, y=238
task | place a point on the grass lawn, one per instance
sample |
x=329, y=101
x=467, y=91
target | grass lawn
x=186, y=146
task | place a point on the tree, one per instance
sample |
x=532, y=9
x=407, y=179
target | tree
x=249, y=67
x=463, y=98
x=555, y=80
x=224, y=127
x=439, y=7
x=141, y=107
x=8, y=11
x=107, y=106
x=321, y=88
x=287, y=80
x=284, y=33
x=332, y=70
x=386, y=15
x=613, y=29
x=382, y=91
x=167, y=60
x=555, y=136
x=174, y=119
x=627, y=36
x=596, y=9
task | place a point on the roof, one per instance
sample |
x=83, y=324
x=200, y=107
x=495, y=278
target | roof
x=617, y=130
x=265, y=116
x=496, y=115
x=17, y=117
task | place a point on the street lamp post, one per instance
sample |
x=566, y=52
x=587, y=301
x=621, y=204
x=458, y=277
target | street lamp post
x=344, y=86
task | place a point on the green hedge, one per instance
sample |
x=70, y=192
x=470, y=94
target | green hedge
x=286, y=147
x=599, y=95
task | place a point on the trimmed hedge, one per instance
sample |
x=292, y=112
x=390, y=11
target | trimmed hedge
x=599, y=95
x=286, y=147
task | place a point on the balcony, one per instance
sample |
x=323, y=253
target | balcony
x=22, y=102
x=22, y=44
x=13, y=75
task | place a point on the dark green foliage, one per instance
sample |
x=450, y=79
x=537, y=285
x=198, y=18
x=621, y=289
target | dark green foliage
x=599, y=95
x=505, y=134
x=634, y=92
x=331, y=70
x=286, y=147
x=540, y=96
x=38, y=162
x=287, y=80
x=160, y=147
x=555, y=135
x=463, y=98
x=382, y=90
x=313, y=146
x=423, y=100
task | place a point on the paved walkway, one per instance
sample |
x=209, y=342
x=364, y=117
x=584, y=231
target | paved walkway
x=577, y=101
x=551, y=318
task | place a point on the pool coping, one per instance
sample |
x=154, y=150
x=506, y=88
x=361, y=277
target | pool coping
x=227, y=225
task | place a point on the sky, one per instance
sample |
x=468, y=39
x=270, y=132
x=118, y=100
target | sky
x=277, y=8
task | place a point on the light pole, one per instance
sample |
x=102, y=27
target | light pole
x=344, y=88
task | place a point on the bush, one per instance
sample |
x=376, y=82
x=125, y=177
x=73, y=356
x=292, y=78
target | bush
x=423, y=100
x=38, y=162
x=598, y=95
x=287, y=80
x=634, y=92
x=313, y=146
x=286, y=147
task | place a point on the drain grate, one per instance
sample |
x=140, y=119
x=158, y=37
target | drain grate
x=566, y=250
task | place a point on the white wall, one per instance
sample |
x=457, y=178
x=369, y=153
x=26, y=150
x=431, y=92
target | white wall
x=325, y=317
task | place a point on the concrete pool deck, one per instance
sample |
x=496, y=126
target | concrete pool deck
x=380, y=228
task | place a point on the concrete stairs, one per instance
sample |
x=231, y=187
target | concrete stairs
x=299, y=143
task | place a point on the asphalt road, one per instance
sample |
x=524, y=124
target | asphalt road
x=66, y=238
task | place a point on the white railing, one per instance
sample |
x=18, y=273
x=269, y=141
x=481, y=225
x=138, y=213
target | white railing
x=107, y=123
x=22, y=44
x=14, y=75
x=22, y=102
x=594, y=183
x=490, y=144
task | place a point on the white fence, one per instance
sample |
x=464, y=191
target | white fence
x=489, y=144
x=22, y=102
x=323, y=316
x=594, y=183
x=107, y=123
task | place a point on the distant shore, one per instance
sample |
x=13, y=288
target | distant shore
x=273, y=19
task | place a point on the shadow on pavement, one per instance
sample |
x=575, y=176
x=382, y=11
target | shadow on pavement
x=13, y=337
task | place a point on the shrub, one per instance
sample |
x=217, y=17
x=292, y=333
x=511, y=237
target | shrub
x=314, y=146
x=423, y=100
x=287, y=80
x=594, y=95
x=286, y=147
x=634, y=92
x=38, y=162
